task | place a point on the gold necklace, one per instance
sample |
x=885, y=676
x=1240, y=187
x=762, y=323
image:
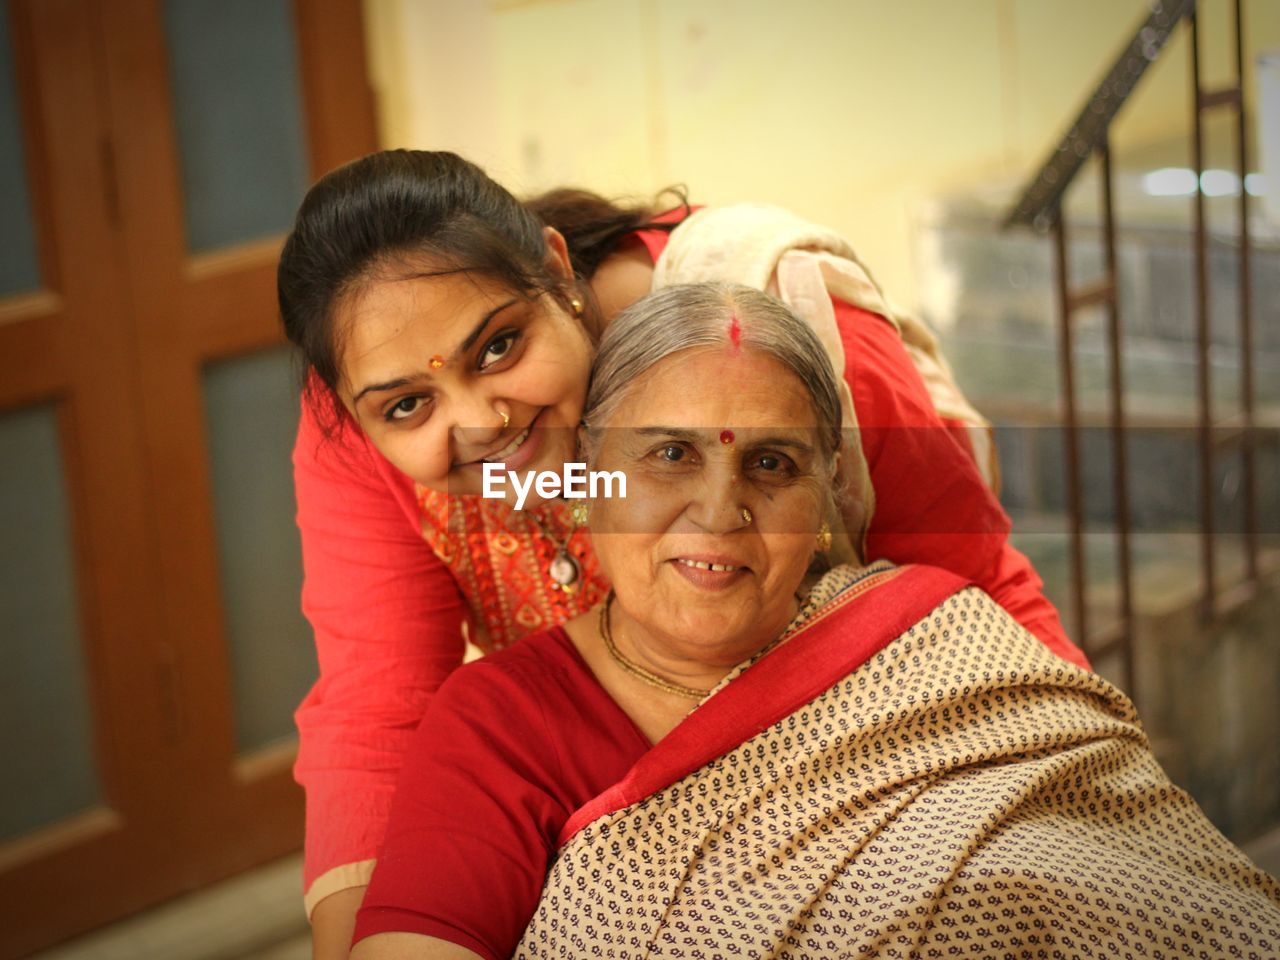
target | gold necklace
x=563, y=569
x=637, y=671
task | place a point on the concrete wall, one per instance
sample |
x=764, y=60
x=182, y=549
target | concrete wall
x=1210, y=699
x=856, y=113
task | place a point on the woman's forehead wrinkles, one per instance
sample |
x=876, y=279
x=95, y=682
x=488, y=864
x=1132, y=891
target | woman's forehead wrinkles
x=799, y=438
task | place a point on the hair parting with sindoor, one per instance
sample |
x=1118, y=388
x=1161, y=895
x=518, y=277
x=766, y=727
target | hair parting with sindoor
x=417, y=212
x=693, y=315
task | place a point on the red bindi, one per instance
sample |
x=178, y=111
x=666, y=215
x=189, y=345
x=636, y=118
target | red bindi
x=735, y=331
x=726, y=436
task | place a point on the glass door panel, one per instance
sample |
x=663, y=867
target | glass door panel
x=46, y=735
x=18, y=268
x=251, y=410
x=237, y=113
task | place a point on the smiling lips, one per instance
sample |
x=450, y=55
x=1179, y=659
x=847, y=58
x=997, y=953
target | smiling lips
x=518, y=449
x=509, y=449
x=709, y=574
x=703, y=565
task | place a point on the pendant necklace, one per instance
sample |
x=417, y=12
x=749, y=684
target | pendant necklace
x=563, y=569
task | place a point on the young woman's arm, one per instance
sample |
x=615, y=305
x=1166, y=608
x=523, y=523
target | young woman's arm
x=932, y=505
x=410, y=946
x=333, y=921
x=387, y=620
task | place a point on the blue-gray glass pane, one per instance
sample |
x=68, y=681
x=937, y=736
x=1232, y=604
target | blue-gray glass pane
x=19, y=269
x=46, y=734
x=251, y=411
x=234, y=70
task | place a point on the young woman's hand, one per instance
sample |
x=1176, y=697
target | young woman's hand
x=410, y=946
x=332, y=923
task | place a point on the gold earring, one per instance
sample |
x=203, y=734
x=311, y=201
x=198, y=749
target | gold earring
x=576, y=304
x=580, y=513
x=506, y=420
x=824, y=538
x=746, y=516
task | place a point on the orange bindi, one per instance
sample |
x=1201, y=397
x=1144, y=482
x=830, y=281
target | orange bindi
x=437, y=362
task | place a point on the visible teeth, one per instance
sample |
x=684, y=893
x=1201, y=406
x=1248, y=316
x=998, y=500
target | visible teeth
x=706, y=566
x=510, y=448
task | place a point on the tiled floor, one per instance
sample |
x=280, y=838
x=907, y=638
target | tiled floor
x=1265, y=852
x=258, y=916
x=255, y=916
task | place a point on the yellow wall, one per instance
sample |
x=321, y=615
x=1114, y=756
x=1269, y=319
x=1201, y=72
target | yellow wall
x=855, y=113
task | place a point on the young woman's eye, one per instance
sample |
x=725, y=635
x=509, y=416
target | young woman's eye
x=499, y=347
x=405, y=407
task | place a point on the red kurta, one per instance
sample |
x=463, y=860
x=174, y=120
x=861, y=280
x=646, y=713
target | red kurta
x=509, y=748
x=387, y=609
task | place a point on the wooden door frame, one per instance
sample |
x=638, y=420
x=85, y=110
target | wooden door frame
x=179, y=808
x=69, y=344
x=190, y=310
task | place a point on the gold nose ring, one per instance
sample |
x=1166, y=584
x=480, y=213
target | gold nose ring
x=506, y=420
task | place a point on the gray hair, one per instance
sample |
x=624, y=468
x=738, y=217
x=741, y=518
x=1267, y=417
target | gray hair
x=699, y=315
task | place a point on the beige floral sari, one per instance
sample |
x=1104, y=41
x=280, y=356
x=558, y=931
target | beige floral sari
x=910, y=775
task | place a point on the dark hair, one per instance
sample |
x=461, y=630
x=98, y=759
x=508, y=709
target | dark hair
x=592, y=226
x=434, y=207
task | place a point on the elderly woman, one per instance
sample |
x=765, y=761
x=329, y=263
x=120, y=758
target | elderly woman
x=879, y=764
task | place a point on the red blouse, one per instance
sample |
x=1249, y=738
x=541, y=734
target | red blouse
x=488, y=781
x=388, y=612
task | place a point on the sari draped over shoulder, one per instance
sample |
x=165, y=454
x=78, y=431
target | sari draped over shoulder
x=911, y=774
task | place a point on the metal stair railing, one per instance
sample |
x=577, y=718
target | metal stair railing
x=1042, y=207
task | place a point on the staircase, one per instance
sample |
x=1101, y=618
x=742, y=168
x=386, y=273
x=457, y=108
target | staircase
x=1133, y=371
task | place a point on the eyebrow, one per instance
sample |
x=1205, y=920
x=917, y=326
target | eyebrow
x=467, y=343
x=677, y=433
x=479, y=328
x=386, y=385
x=684, y=433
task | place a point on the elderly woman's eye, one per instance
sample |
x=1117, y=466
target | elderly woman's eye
x=773, y=466
x=672, y=453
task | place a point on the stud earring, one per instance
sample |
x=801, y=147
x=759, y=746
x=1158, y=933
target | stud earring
x=576, y=304
x=824, y=537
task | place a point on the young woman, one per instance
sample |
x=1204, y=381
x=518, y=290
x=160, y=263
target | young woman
x=446, y=325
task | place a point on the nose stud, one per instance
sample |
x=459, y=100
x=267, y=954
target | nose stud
x=506, y=420
x=746, y=516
